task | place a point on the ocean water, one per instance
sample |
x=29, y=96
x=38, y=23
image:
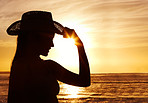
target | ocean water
x=105, y=88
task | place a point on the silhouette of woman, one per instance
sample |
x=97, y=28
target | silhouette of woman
x=33, y=80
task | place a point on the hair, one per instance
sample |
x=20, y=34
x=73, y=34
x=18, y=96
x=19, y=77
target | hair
x=21, y=46
x=24, y=39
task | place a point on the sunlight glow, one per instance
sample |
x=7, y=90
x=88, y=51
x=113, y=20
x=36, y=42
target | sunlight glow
x=65, y=51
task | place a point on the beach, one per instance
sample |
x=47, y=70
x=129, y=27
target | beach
x=105, y=88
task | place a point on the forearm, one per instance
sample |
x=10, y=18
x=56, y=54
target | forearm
x=84, y=70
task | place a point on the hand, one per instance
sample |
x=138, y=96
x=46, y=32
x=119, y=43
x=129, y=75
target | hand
x=70, y=33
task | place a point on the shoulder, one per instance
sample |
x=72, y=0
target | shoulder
x=52, y=64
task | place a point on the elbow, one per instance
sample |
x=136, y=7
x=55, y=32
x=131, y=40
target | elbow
x=88, y=84
x=85, y=83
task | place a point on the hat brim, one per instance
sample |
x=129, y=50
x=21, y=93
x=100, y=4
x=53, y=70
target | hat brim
x=14, y=29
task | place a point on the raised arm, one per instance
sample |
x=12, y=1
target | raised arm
x=83, y=78
x=84, y=70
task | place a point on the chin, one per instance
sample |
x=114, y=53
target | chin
x=45, y=54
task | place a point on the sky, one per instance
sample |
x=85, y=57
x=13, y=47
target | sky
x=114, y=32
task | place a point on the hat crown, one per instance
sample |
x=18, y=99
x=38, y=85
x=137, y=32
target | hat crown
x=33, y=15
x=37, y=21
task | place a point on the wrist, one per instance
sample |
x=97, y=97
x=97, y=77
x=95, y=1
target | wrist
x=79, y=45
x=78, y=42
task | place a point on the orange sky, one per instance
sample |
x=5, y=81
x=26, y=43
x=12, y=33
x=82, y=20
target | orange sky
x=114, y=32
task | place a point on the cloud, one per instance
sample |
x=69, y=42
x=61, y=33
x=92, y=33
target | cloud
x=108, y=20
x=8, y=43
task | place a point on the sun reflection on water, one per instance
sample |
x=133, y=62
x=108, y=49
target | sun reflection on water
x=70, y=91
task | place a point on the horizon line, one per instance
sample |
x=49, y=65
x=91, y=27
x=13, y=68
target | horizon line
x=7, y=72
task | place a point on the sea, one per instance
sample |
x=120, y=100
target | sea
x=105, y=88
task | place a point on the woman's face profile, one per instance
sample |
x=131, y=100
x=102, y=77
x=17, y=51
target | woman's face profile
x=45, y=43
